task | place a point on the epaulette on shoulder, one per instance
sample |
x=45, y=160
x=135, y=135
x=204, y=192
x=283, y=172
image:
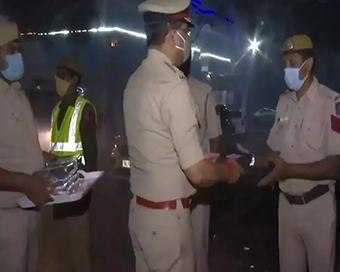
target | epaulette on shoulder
x=330, y=94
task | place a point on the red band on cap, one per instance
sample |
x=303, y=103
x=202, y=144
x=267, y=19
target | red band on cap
x=179, y=16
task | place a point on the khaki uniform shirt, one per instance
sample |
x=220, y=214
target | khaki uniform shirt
x=303, y=132
x=209, y=122
x=161, y=129
x=19, y=144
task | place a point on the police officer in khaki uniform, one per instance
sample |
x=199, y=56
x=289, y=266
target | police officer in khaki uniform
x=305, y=144
x=20, y=158
x=65, y=245
x=209, y=132
x=164, y=148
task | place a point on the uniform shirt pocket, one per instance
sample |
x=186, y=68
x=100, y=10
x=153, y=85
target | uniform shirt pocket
x=282, y=129
x=313, y=133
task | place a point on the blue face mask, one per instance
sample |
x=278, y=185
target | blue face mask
x=15, y=69
x=292, y=78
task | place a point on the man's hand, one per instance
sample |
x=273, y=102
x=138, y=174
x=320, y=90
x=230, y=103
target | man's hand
x=278, y=174
x=236, y=169
x=36, y=188
x=268, y=159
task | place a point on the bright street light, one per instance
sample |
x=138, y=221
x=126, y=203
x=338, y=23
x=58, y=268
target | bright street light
x=254, y=46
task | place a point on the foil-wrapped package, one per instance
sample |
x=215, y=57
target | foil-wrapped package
x=63, y=174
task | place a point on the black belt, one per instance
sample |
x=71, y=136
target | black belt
x=305, y=198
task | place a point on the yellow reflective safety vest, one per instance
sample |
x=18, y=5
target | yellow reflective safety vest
x=66, y=141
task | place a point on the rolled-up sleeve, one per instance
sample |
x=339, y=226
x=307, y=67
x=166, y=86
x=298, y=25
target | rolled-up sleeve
x=213, y=120
x=178, y=113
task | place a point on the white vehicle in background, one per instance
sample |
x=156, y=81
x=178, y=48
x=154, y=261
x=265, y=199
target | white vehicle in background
x=238, y=121
x=264, y=115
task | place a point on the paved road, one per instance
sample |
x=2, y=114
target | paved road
x=109, y=216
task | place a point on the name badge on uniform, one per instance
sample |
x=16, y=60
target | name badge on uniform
x=282, y=122
x=283, y=119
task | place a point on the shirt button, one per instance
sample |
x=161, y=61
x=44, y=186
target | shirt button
x=292, y=146
x=295, y=126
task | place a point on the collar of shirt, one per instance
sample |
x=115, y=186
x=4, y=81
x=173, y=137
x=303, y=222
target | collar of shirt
x=4, y=86
x=158, y=56
x=311, y=94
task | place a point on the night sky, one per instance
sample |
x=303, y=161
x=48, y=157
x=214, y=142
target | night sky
x=319, y=17
x=272, y=21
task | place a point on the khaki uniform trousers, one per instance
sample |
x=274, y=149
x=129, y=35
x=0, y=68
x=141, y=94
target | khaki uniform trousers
x=65, y=243
x=19, y=239
x=307, y=235
x=200, y=219
x=161, y=239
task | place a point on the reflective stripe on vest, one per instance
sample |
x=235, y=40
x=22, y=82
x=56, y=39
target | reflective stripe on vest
x=71, y=145
x=66, y=147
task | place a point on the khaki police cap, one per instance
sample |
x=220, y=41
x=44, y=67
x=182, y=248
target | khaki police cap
x=71, y=64
x=8, y=32
x=298, y=42
x=159, y=11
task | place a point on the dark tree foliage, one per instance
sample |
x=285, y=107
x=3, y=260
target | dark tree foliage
x=44, y=15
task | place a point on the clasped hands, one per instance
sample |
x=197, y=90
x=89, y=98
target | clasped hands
x=279, y=172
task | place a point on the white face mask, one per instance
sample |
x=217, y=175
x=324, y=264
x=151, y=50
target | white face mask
x=292, y=78
x=186, y=46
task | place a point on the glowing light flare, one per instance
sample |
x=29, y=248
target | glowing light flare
x=123, y=31
x=120, y=30
x=62, y=32
x=114, y=43
x=129, y=32
x=254, y=46
x=195, y=49
x=209, y=55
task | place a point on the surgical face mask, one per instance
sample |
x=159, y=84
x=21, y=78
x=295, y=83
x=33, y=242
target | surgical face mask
x=186, y=46
x=61, y=86
x=292, y=78
x=15, y=69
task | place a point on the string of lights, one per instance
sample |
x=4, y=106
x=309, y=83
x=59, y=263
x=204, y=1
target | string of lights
x=123, y=31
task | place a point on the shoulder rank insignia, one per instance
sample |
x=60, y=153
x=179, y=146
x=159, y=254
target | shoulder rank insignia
x=335, y=123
